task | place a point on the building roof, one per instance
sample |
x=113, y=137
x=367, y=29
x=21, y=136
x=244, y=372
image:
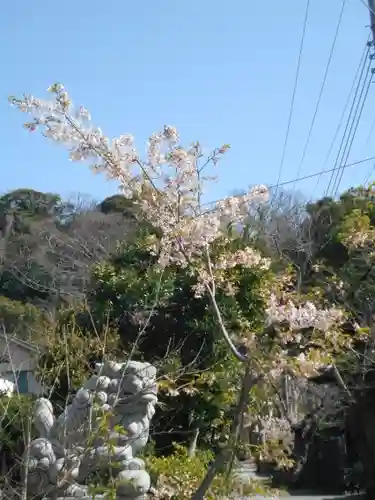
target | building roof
x=21, y=343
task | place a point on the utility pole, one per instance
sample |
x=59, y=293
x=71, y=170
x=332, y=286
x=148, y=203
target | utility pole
x=371, y=8
x=371, y=43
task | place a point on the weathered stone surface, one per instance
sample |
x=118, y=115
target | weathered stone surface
x=74, y=445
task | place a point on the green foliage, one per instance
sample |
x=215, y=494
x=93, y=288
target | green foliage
x=15, y=418
x=69, y=354
x=31, y=204
x=29, y=283
x=182, y=329
x=24, y=275
x=342, y=259
x=178, y=476
x=24, y=320
x=198, y=380
x=117, y=204
x=130, y=280
x=15, y=430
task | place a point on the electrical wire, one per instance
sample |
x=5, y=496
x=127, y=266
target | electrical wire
x=348, y=165
x=335, y=168
x=349, y=123
x=345, y=156
x=341, y=172
x=294, y=90
x=328, y=65
x=367, y=6
x=348, y=127
x=372, y=169
x=364, y=56
x=309, y=176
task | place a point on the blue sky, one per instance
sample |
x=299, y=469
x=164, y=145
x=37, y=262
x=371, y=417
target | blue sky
x=222, y=72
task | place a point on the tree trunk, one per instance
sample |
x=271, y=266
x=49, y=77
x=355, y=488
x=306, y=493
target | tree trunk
x=225, y=454
x=6, y=224
x=193, y=443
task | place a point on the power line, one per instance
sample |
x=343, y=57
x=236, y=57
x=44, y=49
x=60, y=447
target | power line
x=328, y=65
x=310, y=176
x=336, y=168
x=349, y=123
x=340, y=172
x=294, y=90
x=370, y=5
x=353, y=164
x=359, y=108
x=362, y=61
x=366, y=5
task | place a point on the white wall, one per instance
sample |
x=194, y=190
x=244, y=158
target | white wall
x=19, y=356
x=19, y=359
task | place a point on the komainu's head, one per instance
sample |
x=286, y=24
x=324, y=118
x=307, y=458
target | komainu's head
x=132, y=387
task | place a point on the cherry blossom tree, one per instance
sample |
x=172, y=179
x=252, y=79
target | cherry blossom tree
x=168, y=186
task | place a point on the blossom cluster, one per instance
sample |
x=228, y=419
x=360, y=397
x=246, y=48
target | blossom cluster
x=311, y=363
x=300, y=317
x=304, y=364
x=248, y=258
x=360, y=239
x=273, y=425
x=236, y=207
x=167, y=185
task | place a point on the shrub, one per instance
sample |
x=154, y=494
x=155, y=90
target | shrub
x=177, y=476
x=23, y=320
x=15, y=430
x=70, y=353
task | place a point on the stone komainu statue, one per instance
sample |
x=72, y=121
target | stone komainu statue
x=102, y=430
